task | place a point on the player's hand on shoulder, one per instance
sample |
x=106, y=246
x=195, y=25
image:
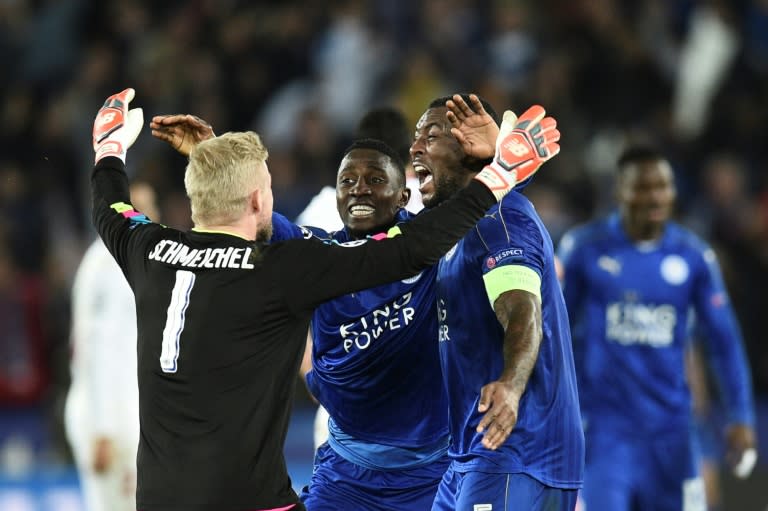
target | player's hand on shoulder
x=115, y=127
x=181, y=131
x=472, y=126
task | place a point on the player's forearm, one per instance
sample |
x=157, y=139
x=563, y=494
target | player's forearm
x=109, y=186
x=520, y=315
x=729, y=363
x=422, y=243
x=732, y=372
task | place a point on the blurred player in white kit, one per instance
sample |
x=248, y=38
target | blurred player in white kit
x=102, y=409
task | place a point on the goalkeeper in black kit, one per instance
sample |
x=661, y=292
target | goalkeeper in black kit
x=223, y=315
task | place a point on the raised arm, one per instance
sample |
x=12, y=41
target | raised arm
x=114, y=131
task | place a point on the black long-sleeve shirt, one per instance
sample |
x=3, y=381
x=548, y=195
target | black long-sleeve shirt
x=222, y=323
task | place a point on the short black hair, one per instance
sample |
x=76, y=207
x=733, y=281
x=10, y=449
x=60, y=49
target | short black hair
x=380, y=146
x=436, y=103
x=638, y=153
x=389, y=125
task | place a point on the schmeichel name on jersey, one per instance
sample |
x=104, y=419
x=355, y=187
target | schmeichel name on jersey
x=175, y=253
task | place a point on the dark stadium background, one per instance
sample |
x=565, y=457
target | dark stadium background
x=689, y=76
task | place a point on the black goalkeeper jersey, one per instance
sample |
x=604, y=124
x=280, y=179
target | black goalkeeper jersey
x=222, y=324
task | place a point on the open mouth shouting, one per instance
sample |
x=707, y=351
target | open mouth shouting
x=425, y=177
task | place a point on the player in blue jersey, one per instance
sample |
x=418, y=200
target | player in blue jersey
x=504, y=341
x=631, y=282
x=375, y=363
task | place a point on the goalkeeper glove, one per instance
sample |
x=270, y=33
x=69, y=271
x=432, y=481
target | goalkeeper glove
x=522, y=146
x=115, y=127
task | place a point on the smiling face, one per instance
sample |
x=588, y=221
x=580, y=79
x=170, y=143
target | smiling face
x=369, y=191
x=438, y=159
x=646, y=193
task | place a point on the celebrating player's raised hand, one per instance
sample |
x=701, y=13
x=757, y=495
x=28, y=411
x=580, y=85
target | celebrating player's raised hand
x=181, y=131
x=472, y=126
x=115, y=127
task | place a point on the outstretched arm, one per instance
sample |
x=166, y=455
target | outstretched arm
x=181, y=131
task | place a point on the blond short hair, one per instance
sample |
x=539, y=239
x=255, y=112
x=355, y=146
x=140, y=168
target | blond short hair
x=221, y=175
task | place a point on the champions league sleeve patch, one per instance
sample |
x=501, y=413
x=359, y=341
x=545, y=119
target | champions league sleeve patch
x=505, y=256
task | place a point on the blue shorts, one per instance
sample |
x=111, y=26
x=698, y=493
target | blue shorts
x=659, y=474
x=480, y=491
x=340, y=485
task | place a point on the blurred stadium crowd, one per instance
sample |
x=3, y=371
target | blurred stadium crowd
x=690, y=76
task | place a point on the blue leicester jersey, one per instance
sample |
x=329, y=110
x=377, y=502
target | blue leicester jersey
x=375, y=362
x=547, y=443
x=630, y=304
x=283, y=229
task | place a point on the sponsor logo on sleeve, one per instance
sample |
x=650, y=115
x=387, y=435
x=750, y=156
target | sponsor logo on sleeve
x=507, y=255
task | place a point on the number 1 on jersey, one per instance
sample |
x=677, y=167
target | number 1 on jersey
x=174, y=320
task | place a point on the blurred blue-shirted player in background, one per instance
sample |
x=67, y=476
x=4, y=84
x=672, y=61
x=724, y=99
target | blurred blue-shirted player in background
x=631, y=281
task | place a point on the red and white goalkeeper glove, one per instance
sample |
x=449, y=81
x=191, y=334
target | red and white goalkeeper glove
x=522, y=146
x=115, y=127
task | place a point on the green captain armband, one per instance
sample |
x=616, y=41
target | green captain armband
x=508, y=278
